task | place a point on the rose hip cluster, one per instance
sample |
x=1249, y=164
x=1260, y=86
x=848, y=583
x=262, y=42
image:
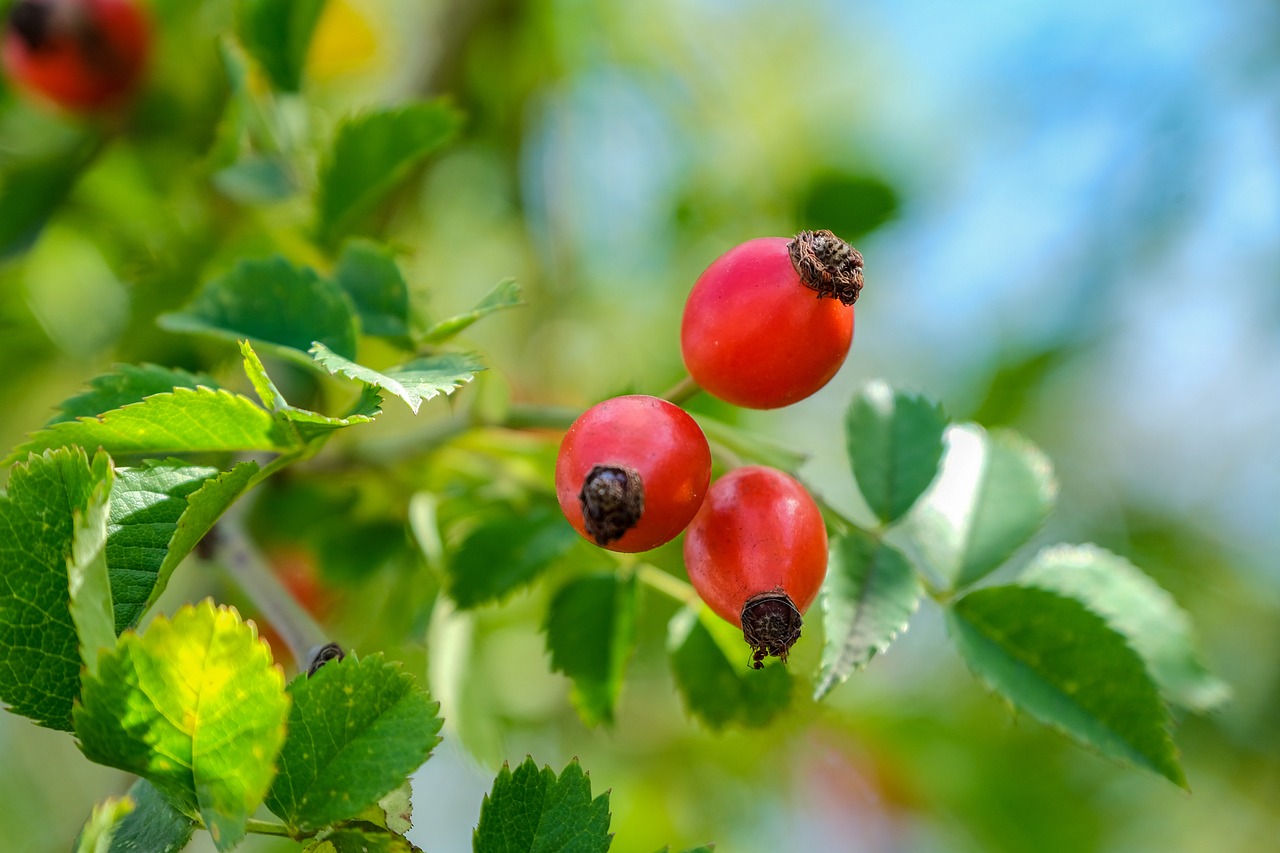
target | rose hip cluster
x=766, y=325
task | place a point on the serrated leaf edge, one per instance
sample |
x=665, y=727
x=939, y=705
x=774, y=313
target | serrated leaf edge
x=1166, y=725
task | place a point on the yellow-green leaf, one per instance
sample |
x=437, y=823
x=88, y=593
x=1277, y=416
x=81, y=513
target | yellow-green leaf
x=195, y=706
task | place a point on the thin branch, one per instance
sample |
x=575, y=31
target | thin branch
x=249, y=571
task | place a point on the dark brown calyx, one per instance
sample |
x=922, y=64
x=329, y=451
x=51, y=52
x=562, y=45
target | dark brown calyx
x=612, y=500
x=30, y=19
x=827, y=264
x=770, y=625
x=324, y=654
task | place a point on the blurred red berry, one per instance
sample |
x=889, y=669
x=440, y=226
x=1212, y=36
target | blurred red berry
x=84, y=55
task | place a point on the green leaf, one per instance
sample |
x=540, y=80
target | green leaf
x=718, y=688
x=303, y=424
x=369, y=274
x=256, y=180
x=373, y=153
x=184, y=420
x=532, y=811
x=591, y=630
x=154, y=826
x=32, y=190
x=278, y=34
x=414, y=382
x=506, y=552
x=232, y=130
x=870, y=592
x=104, y=821
x=274, y=304
x=1054, y=658
x=127, y=384
x=159, y=511
x=361, y=838
x=196, y=707
x=894, y=442
x=39, y=657
x=1135, y=606
x=851, y=204
x=357, y=729
x=749, y=447
x=994, y=492
x=505, y=295
x=89, y=582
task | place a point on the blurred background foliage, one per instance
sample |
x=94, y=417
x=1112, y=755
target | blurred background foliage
x=1070, y=219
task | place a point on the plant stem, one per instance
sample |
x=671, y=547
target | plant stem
x=682, y=390
x=833, y=514
x=267, y=827
x=529, y=416
x=667, y=584
x=249, y=570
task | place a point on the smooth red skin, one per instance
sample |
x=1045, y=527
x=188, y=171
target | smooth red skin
x=660, y=442
x=757, y=530
x=755, y=336
x=63, y=72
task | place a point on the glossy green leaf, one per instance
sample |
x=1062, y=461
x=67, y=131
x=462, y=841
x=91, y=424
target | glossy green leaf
x=505, y=295
x=591, y=631
x=274, y=304
x=277, y=33
x=88, y=580
x=154, y=826
x=127, y=384
x=184, y=420
x=719, y=688
x=196, y=707
x=414, y=382
x=31, y=190
x=534, y=811
x=371, y=155
x=159, y=511
x=994, y=492
x=368, y=272
x=303, y=425
x=506, y=552
x=894, y=441
x=1132, y=603
x=356, y=730
x=1060, y=662
x=98, y=832
x=870, y=592
x=39, y=648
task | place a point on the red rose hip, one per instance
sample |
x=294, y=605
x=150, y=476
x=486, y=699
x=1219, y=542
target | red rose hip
x=771, y=320
x=632, y=472
x=83, y=55
x=757, y=553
